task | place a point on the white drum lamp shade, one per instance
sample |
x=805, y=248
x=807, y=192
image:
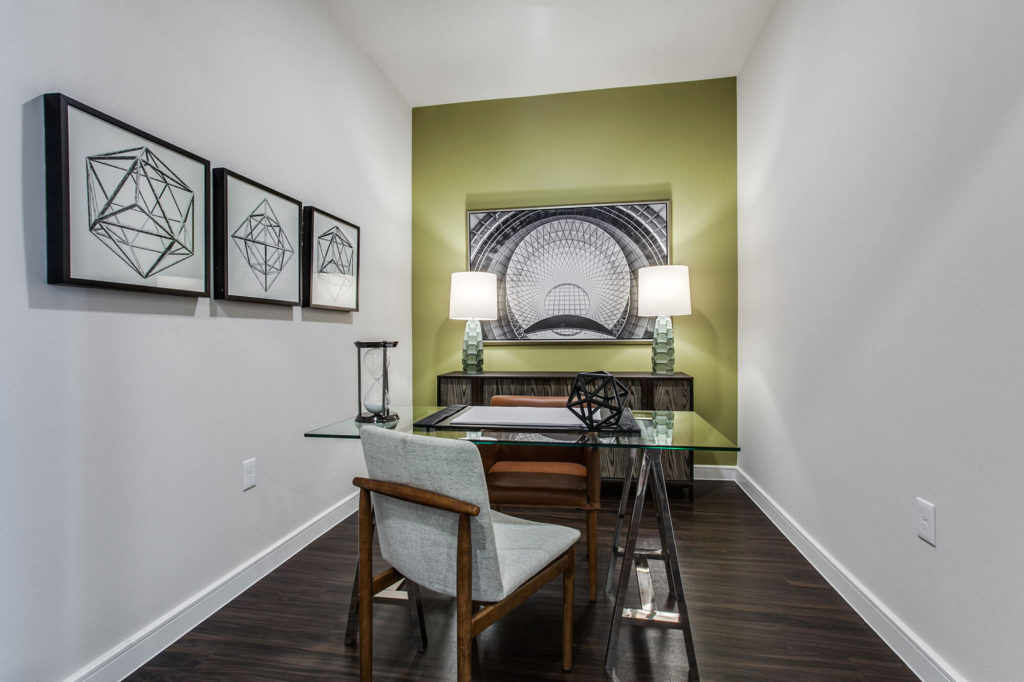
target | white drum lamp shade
x=663, y=290
x=474, y=296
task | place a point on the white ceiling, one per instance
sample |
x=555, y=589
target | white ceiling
x=441, y=51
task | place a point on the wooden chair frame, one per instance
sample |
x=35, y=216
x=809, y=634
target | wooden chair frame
x=472, y=617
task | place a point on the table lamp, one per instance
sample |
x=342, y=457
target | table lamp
x=663, y=290
x=474, y=297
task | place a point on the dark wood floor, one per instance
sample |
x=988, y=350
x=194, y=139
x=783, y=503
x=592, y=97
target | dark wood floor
x=759, y=612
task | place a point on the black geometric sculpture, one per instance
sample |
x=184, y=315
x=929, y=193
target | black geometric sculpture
x=598, y=400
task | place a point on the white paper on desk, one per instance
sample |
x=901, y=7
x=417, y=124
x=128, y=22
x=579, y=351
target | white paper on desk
x=519, y=417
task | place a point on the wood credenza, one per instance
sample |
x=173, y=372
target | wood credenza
x=646, y=392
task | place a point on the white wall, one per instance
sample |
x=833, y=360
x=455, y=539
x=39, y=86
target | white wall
x=124, y=417
x=881, y=259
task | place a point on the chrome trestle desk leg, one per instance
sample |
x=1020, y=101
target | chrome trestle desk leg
x=648, y=614
x=627, y=484
x=617, y=549
x=665, y=534
x=668, y=536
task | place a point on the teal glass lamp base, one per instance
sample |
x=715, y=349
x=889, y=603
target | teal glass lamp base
x=663, y=359
x=473, y=348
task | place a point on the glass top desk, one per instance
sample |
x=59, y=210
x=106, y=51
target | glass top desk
x=660, y=431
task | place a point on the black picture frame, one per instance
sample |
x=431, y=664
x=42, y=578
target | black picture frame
x=567, y=274
x=124, y=209
x=257, y=241
x=330, y=269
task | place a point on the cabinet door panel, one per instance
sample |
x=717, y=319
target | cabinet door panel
x=678, y=465
x=525, y=386
x=636, y=396
x=613, y=464
x=672, y=395
x=454, y=392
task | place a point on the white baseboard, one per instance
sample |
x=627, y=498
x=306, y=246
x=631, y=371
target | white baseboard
x=122, y=660
x=918, y=656
x=714, y=472
x=128, y=656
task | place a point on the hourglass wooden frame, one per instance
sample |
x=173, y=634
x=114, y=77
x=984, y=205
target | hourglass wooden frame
x=384, y=416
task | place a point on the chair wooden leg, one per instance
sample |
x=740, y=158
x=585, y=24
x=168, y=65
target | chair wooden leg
x=464, y=600
x=365, y=588
x=592, y=553
x=568, y=590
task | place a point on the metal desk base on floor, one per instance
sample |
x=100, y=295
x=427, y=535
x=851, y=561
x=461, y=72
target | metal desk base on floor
x=647, y=614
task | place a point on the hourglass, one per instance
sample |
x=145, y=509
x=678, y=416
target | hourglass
x=374, y=404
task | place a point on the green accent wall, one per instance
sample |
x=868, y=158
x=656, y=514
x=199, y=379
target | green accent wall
x=674, y=141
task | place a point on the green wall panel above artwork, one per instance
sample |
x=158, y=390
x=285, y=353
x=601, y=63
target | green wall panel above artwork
x=674, y=141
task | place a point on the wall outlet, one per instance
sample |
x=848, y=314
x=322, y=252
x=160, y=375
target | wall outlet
x=926, y=521
x=249, y=474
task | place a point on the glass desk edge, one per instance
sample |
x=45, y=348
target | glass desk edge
x=655, y=432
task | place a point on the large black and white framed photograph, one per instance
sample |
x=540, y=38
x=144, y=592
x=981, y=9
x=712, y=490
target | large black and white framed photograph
x=330, y=274
x=257, y=241
x=125, y=209
x=568, y=273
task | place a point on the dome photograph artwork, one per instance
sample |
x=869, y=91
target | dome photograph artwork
x=567, y=273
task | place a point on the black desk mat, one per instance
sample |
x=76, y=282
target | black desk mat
x=627, y=424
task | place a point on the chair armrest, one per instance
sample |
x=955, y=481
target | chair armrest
x=408, y=493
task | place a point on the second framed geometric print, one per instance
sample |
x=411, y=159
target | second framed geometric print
x=256, y=241
x=331, y=270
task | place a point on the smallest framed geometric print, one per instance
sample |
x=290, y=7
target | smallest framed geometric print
x=331, y=270
x=256, y=241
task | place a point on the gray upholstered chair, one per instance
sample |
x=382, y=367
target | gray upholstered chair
x=436, y=528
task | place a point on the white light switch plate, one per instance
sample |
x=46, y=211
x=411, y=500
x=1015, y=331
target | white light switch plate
x=249, y=474
x=926, y=521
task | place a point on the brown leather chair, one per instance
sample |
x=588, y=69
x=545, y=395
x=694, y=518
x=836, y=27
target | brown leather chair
x=546, y=476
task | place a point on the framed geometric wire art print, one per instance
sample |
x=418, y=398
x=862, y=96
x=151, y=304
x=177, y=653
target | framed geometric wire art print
x=330, y=273
x=124, y=209
x=256, y=241
x=568, y=273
